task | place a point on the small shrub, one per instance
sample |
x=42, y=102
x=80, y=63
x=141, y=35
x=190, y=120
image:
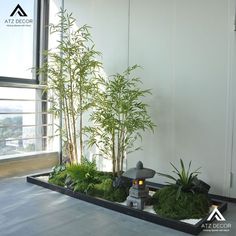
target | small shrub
x=56, y=170
x=58, y=178
x=103, y=189
x=83, y=176
x=106, y=191
x=186, y=180
x=58, y=175
x=119, y=195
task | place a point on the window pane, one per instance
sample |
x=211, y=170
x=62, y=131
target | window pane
x=21, y=117
x=17, y=27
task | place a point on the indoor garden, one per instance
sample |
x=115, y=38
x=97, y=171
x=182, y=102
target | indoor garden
x=108, y=115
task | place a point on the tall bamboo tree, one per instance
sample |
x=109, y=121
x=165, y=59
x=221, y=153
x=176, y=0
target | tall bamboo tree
x=71, y=69
x=119, y=117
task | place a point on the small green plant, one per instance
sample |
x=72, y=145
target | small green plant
x=82, y=176
x=185, y=180
x=58, y=175
x=119, y=118
x=85, y=178
x=107, y=191
x=57, y=169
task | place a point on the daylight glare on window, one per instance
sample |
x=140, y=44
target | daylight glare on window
x=17, y=27
x=25, y=123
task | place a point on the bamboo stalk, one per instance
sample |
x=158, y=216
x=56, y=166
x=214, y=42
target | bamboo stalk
x=81, y=123
x=113, y=154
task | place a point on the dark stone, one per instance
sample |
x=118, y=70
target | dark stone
x=200, y=186
x=139, y=172
x=122, y=182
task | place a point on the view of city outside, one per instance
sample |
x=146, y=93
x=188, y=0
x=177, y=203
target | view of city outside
x=20, y=129
x=17, y=121
x=23, y=125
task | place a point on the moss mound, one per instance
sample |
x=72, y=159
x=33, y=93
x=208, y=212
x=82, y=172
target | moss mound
x=188, y=205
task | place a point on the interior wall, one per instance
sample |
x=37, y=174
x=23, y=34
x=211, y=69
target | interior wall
x=232, y=162
x=102, y=16
x=28, y=164
x=151, y=46
x=184, y=48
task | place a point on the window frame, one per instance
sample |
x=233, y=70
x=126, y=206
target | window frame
x=40, y=44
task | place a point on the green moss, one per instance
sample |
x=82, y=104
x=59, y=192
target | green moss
x=188, y=205
x=119, y=195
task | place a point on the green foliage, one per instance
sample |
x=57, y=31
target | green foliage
x=59, y=179
x=58, y=175
x=185, y=179
x=57, y=170
x=188, y=206
x=71, y=69
x=119, y=195
x=83, y=176
x=104, y=188
x=106, y=191
x=86, y=179
x=119, y=116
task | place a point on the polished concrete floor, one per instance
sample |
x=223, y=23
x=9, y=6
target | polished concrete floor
x=26, y=210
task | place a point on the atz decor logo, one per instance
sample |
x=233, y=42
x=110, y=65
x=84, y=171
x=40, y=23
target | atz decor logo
x=19, y=18
x=216, y=227
x=18, y=10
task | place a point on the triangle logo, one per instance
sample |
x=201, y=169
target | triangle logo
x=215, y=214
x=18, y=10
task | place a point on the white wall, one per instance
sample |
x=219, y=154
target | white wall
x=232, y=142
x=151, y=46
x=102, y=16
x=185, y=49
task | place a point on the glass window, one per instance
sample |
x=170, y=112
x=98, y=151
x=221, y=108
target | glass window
x=17, y=27
x=24, y=124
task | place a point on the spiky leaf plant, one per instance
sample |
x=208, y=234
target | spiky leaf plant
x=185, y=180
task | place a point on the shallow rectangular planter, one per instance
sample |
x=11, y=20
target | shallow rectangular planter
x=174, y=224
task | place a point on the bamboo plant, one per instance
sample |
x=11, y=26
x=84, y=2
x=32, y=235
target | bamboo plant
x=119, y=116
x=71, y=69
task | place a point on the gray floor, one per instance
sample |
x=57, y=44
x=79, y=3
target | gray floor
x=28, y=210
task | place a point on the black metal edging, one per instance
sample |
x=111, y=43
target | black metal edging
x=174, y=224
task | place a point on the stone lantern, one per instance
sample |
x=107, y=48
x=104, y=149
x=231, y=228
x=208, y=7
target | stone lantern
x=138, y=193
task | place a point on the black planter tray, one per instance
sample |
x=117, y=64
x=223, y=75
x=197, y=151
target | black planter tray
x=194, y=229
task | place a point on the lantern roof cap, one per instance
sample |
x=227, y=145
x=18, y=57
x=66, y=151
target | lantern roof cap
x=139, y=172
